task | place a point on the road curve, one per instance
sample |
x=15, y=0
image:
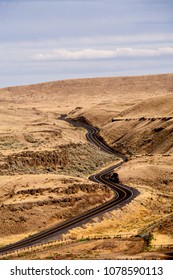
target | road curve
x=123, y=194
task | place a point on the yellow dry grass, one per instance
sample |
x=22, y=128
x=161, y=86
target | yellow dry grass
x=29, y=123
x=13, y=238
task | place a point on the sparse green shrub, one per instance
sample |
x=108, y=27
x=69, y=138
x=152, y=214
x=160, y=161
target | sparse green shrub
x=148, y=239
x=84, y=239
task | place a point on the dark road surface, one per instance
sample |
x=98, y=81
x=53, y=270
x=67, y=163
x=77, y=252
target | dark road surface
x=123, y=195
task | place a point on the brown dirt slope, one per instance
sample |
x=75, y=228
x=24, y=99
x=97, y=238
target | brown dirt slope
x=31, y=203
x=134, y=115
x=89, y=90
x=160, y=106
x=146, y=127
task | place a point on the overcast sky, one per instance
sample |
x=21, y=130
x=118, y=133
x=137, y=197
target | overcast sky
x=53, y=39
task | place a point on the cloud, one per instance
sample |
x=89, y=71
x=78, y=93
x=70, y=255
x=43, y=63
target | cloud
x=85, y=54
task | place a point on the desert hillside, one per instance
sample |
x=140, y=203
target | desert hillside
x=145, y=127
x=45, y=162
x=88, y=91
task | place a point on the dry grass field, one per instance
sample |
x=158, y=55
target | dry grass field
x=45, y=162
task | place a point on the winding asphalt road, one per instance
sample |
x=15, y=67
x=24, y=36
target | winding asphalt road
x=123, y=195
